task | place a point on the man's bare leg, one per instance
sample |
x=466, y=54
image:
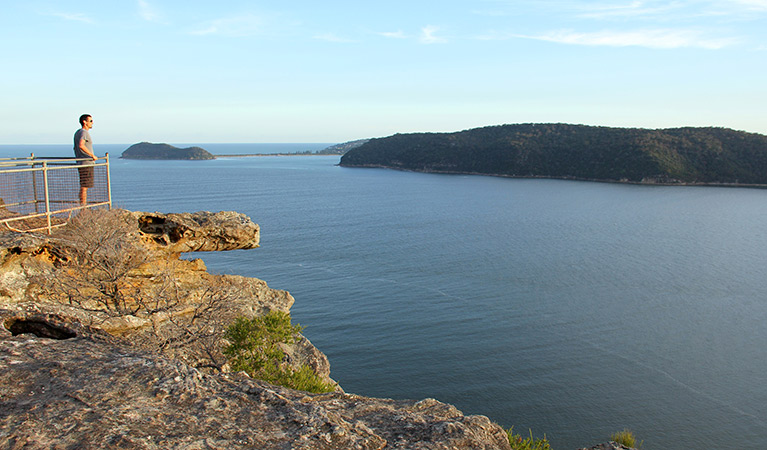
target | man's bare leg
x=83, y=196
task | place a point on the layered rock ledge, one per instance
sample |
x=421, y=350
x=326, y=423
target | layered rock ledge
x=92, y=391
x=76, y=376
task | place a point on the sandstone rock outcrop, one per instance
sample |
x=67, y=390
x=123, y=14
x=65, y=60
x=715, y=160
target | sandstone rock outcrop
x=29, y=261
x=199, y=232
x=75, y=376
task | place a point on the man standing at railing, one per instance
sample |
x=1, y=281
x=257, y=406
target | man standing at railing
x=84, y=151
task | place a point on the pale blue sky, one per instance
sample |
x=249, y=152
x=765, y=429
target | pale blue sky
x=333, y=71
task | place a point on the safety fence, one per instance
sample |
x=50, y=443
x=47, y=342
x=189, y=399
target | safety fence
x=40, y=194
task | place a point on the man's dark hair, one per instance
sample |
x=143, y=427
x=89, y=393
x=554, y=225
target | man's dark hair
x=83, y=118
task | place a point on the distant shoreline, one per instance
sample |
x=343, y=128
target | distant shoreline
x=274, y=154
x=565, y=178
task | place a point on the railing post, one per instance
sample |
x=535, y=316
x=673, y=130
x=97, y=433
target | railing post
x=109, y=183
x=34, y=183
x=47, y=201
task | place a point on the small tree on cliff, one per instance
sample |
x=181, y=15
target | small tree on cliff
x=100, y=253
x=184, y=323
x=104, y=268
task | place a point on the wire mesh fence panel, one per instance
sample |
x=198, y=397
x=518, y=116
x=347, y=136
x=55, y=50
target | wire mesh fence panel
x=41, y=193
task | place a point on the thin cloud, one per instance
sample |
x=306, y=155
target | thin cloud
x=262, y=24
x=147, y=11
x=428, y=35
x=490, y=13
x=634, y=9
x=656, y=38
x=661, y=10
x=77, y=17
x=754, y=5
x=247, y=25
x=330, y=37
x=622, y=10
x=399, y=34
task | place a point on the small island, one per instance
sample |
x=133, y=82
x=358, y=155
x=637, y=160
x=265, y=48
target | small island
x=148, y=150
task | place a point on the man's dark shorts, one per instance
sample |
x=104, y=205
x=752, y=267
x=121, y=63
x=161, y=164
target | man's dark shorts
x=86, y=176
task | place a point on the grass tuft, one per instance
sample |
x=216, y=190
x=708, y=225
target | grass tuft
x=529, y=443
x=626, y=438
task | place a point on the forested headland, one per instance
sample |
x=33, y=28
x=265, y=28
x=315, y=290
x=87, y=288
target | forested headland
x=674, y=155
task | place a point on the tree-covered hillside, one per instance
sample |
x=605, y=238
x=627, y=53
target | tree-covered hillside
x=689, y=155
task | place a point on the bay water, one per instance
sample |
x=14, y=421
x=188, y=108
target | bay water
x=574, y=309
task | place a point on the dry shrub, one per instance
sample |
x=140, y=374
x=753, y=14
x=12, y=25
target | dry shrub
x=107, y=271
x=189, y=324
x=102, y=249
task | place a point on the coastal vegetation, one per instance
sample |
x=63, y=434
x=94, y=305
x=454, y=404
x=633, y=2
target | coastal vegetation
x=676, y=155
x=148, y=150
x=254, y=348
x=517, y=442
x=626, y=438
x=97, y=261
x=103, y=270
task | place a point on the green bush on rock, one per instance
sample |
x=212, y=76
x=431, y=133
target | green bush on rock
x=254, y=348
x=530, y=443
x=626, y=438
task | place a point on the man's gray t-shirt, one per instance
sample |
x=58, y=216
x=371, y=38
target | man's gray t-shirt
x=83, y=134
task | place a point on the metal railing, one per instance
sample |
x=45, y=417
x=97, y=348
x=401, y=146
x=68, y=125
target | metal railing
x=38, y=194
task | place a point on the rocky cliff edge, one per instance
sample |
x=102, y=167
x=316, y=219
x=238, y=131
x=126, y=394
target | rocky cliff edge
x=78, y=371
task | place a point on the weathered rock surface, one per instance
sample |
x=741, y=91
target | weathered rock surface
x=199, y=232
x=92, y=392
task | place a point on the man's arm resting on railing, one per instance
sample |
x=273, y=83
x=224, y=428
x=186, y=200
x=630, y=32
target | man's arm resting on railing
x=86, y=151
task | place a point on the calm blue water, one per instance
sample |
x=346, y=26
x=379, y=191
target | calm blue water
x=575, y=309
